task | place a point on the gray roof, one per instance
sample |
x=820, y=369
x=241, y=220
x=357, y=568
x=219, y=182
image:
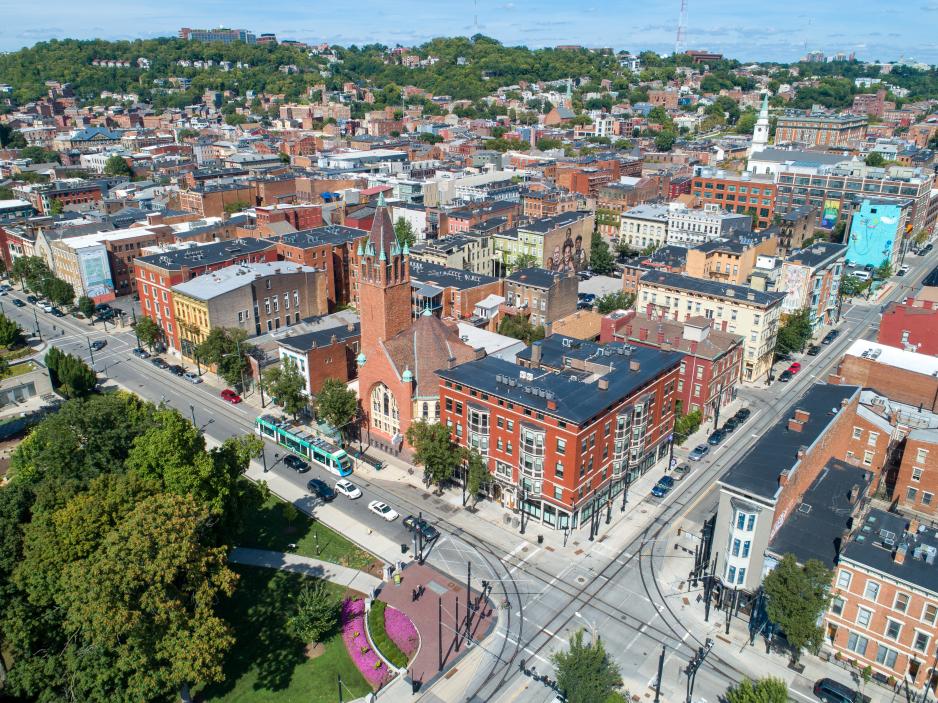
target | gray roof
x=648, y=211
x=875, y=543
x=321, y=337
x=818, y=253
x=221, y=281
x=208, y=254
x=757, y=471
x=726, y=291
x=799, y=156
x=815, y=529
x=535, y=277
x=329, y=234
x=578, y=398
x=444, y=276
x=545, y=225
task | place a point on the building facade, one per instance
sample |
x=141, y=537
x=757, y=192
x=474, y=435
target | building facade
x=811, y=279
x=819, y=128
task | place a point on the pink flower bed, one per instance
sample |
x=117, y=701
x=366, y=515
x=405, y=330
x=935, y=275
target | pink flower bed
x=401, y=631
x=373, y=669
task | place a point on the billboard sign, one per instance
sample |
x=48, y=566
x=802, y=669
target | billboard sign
x=95, y=271
x=830, y=213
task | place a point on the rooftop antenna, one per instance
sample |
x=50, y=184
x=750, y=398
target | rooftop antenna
x=475, y=15
x=681, y=39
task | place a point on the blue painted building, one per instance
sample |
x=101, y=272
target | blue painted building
x=875, y=233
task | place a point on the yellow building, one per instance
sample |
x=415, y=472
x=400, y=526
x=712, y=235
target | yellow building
x=731, y=260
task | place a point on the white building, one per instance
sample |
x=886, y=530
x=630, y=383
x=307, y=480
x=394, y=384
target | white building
x=687, y=227
x=644, y=225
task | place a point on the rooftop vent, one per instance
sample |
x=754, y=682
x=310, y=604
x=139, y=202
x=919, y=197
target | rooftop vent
x=804, y=509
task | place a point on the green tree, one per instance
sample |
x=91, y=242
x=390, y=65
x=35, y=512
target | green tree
x=76, y=378
x=315, y=615
x=117, y=166
x=31, y=271
x=547, y=143
x=404, y=231
x=59, y=292
x=86, y=307
x=884, y=270
x=38, y=155
x=430, y=138
x=747, y=122
x=767, y=690
x=600, y=258
x=225, y=349
x=875, y=159
x=795, y=598
x=520, y=327
x=236, y=206
x=619, y=300
x=11, y=138
x=336, y=404
x=920, y=237
x=523, y=261
x=585, y=673
x=287, y=387
x=851, y=286
x=664, y=140
x=686, y=425
x=284, y=158
x=794, y=332
x=435, y=450
x=146, y=328
x=478, y=476
x=56, y=208
x=11, y=334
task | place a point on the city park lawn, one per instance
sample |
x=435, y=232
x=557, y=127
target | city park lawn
x=267, y=664
x=270, y=526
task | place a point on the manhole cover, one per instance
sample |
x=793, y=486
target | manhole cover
x=524, y=549
x=581, y=579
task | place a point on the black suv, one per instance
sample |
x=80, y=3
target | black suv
x=833, y=692
x=830, y=337
x=159, y=362
x=295, y=463
x=320, y=489
x=177, y=370
x=418, y=524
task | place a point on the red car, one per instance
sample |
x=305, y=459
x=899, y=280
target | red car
x=230, y=396
x=795, y=367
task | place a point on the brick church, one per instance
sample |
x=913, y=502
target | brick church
x=399, y=354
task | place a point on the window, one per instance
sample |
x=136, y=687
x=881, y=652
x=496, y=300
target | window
x=736, y=547
x=921, y=641
x=916, y=474
x=886, y=656
x=731, y=574
x=837, y=605
x=871, y=439
x=893, y=629
x=558, y=470
x=746, y=548
x=867, y=458
x=871, y=591
x=930, y=613
x=902, y=602
x=926, y=498
x=750, y=523
x=864, y=617
x=558, y=493
x=921, y=455
x=910, y=494
x=561, y=446
x=857, y=432
x=857, y=643
x=740, y=521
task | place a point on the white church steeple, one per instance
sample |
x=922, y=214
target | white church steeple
x=760, y=135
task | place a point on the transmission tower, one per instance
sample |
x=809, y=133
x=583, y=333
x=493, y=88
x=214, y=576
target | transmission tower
x=680, y=41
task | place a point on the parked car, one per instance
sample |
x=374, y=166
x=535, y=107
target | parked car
x=320, y=489
x=177, y=370
x=785, y=376
x=383, y=510
x=19, y=303
x=903, y=270
x=192, y=377
x=680, y=471
x=418, y=524
x=99, y=344
x=743, y=414
x=102, y=307
x=160, y=363
x=814, y=350
x=795, y=368
x=32, y=299
x=46, y=307
x=834, y=692
x=716, y=437
x=295, y=463
x=348, y=489
x=57, y=313
x=230, y=396
x=666, y=481
x=830, y=337
x=659, y=490
x=141, y=353
x=731, y=424
x=698, y=452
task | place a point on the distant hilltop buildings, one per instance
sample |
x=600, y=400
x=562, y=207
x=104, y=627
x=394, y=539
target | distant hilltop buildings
x=220, y=35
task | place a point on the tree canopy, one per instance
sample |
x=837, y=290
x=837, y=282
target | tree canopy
x=226, y=349
x=600, y=257
x=336, y=404
x=794, y=332
x=585, y=673
x=435, y=450
x=767, y=690
x=795, y=598
x=286, y=387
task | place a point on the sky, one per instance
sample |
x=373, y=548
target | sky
x=745, y=29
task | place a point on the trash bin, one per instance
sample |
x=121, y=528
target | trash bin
x=397, y=578
x=403, y=549
x=540, y=539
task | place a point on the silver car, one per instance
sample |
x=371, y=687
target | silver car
x=192, y=377
x=698, y=452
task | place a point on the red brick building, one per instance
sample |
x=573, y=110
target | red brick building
x=911, y=325
x=735, y=193
x=712, y=363
x=330, y=247
x=903, y=376
x=300, y=216
x=156, y=274
x=323, y=354
x=916, y=484
x=566, y=428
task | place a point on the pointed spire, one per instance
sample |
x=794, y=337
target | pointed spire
x=382, y=256
x=406, y=250
x=361, y=252
x=381, y=201
x=426, y=309
x=764, y=112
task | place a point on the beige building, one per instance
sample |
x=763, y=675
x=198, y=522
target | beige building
x=644, y=226
x=257, y=298
x=469, y=252
x=731, y=260
x=736, y=309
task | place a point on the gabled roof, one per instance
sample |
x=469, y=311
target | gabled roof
x=382, y=238
x=426, y=347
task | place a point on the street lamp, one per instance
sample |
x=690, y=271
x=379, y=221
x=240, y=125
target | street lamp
x=524, y=500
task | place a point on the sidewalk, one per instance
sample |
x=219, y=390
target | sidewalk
x=307, y=566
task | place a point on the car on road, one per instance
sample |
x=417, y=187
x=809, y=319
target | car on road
x=348, y=489
x=19, y=303
x=680, y=471
x=698, y=452
x=830, y=337
x=32, y=299
x=57, y=313
x=731, y=425
x=46, y=307
x=159, y=362
x=295, y=463
x=743, y=414
x=230, y=396
x=177, y=370
x=102, y=307
x=383, y=510
x=141, y=353
x=418, y=524
x=813, y=350
x=927, y=248
x=832, y=691
x=903, y=270
x=795, y=368
x=663, y=487
x=192, y=377
x=320, y=489
x=716, y=437
x=105, y=316
x=785, y=376
x=99, y=344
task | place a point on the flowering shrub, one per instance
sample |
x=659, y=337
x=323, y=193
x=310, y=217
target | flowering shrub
x=353, y=625
x=401, y=631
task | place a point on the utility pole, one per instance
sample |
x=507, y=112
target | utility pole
x=90, y=350
x=339, y=677
x=660, y=674
x=694, y=665
x=625, y=490
x=468, y=600
x=36, y=318
x=439, y=628
x=192, y=410
x=708, y=588
x=264, y=458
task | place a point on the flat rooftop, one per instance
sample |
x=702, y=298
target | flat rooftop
x=895, y=357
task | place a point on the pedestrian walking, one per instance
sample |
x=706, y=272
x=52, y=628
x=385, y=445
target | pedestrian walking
x=413, y=595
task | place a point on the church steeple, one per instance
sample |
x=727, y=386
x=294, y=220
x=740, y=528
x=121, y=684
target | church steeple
x=760, y=134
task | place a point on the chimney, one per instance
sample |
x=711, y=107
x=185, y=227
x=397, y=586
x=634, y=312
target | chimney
x=333, y=340
x=536, y=354
x=643, y=333
x=783, y=478
x=854, y=494
x=634, y=365
x=551, y=404
x=350, y=327
x=913, y=526
x=899, y=556
x=802, y=415
x=603, y=384
x=795, y=425
x=154, y=218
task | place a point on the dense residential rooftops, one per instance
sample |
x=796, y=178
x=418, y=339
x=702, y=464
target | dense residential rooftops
x=725, y=291
x=423, y=272
x=222, y=281
x=815, y=529
x=206, y=255
x=818, y=253
x=757, y=471
x=715, y=342
x=535, y=277
x=879, y=537
x=329, y=234
x=543, y=225
x=321, y=337
x=648, y=211
x=578, y=395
